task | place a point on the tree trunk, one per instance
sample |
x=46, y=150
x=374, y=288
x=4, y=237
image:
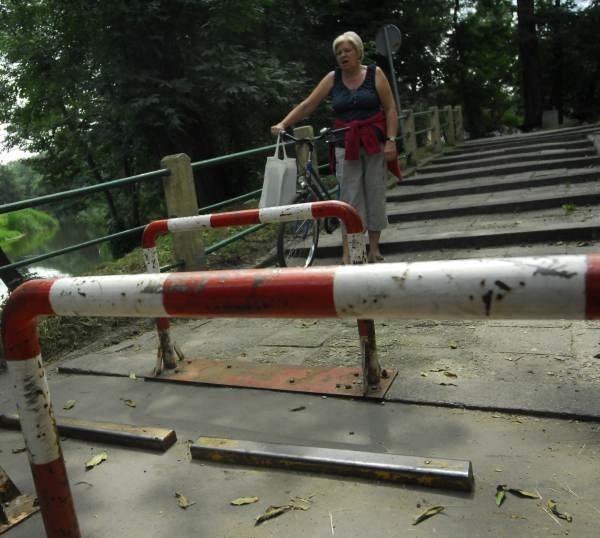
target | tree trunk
x=556, y=93
x=530, y=65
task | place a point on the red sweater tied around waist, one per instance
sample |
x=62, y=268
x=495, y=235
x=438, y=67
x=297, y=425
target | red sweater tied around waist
x=360, y=133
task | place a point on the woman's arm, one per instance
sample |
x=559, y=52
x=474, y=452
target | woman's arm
x=391, y=114
x=306, y=107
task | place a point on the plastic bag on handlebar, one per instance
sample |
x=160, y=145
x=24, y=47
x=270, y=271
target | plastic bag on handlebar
x=279, y=183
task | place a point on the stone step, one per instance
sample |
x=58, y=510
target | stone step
x=504, y=169
x=510, y=201
x=408, y=191
x=451, y=157
x=524, y=139
x=510, y=158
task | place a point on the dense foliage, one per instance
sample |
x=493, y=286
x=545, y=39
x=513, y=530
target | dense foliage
x=104, y=89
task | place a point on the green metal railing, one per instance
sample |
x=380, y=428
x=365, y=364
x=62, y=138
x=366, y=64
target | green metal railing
x=156, y=174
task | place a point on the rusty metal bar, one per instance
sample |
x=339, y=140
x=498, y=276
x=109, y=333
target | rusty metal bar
x=147, y=437
x=430, y=472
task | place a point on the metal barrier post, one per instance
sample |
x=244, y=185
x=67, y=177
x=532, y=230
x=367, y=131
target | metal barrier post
x=550, y=287
x=167, y=350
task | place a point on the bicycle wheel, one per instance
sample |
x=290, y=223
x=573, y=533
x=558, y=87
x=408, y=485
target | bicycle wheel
x=297, y=242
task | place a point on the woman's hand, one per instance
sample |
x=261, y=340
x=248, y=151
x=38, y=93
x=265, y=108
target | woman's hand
x=389, y=150
x=277, y=128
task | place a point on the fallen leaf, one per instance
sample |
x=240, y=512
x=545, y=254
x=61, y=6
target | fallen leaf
x=300, y=408
x=450, y=374
x=448, y=384
x=96, y=460
x=428, y=513
x=562, y=515
x=128, y=402
x=183, y=501
x=18, y=450
x=523, y=493
x=132, y=376
x=273, y=511
x=70, y=404
x=243, y=500
x=500, y=494
x=423, y=374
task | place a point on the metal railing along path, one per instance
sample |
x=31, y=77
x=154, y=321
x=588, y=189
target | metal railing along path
x=167, y=350
x=551, y=287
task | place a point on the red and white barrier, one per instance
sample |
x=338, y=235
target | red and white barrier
x=268, y=215
x=552, y=287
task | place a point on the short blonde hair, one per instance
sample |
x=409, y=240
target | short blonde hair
x=354, y=39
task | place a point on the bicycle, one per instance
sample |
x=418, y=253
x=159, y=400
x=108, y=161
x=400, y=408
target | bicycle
x=297, y=241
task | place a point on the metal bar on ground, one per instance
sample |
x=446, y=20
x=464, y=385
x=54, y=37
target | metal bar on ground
x=430, y=472
x=147, y=437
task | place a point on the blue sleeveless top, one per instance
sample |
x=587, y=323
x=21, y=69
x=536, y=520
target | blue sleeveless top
x=356, y=104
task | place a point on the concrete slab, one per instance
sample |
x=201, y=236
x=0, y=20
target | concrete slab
x=133, y=492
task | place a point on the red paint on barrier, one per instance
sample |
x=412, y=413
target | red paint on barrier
x=56, y=502
x=19, y=319
x=235, y=218
x=342, y=210
x=152, y=231
x=256, y=293
x=592, y=287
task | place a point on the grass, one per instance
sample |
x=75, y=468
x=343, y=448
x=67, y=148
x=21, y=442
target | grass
x=27, y=222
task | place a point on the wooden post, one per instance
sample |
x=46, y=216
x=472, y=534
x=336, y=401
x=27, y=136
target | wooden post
x=410, y=138
x=458, y=124
x=180, y=195
x=305, y=131
x=450, y=133
x=435, y=129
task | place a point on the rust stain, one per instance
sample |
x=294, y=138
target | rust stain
x=487, y=301
x=502, y=285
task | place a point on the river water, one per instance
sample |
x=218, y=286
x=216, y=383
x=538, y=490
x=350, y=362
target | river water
x=73, y=263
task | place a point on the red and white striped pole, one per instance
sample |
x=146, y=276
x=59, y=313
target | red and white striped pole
x=268, y=215
x=551, y=287
x=28, y=378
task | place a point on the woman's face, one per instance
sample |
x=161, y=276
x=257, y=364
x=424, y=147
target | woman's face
x=346, y=55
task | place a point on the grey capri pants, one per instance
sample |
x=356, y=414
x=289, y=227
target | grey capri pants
x=363, y=185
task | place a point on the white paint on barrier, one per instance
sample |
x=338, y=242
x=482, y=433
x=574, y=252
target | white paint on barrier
x=151, y=260
x=114, y=295
x=33, y=404
x=188, y=224
x=501, y=288
x=285, y=213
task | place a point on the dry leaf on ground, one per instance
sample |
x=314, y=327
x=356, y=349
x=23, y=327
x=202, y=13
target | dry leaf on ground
x=183, y=501
x=430, y=512
x=273, y=511
x=240, y=501
x=70, y=404
x=562, y=515
x=96, y=460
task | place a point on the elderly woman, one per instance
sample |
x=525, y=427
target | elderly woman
x=362, y=101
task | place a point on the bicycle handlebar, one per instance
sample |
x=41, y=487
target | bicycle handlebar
x=325, y=131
